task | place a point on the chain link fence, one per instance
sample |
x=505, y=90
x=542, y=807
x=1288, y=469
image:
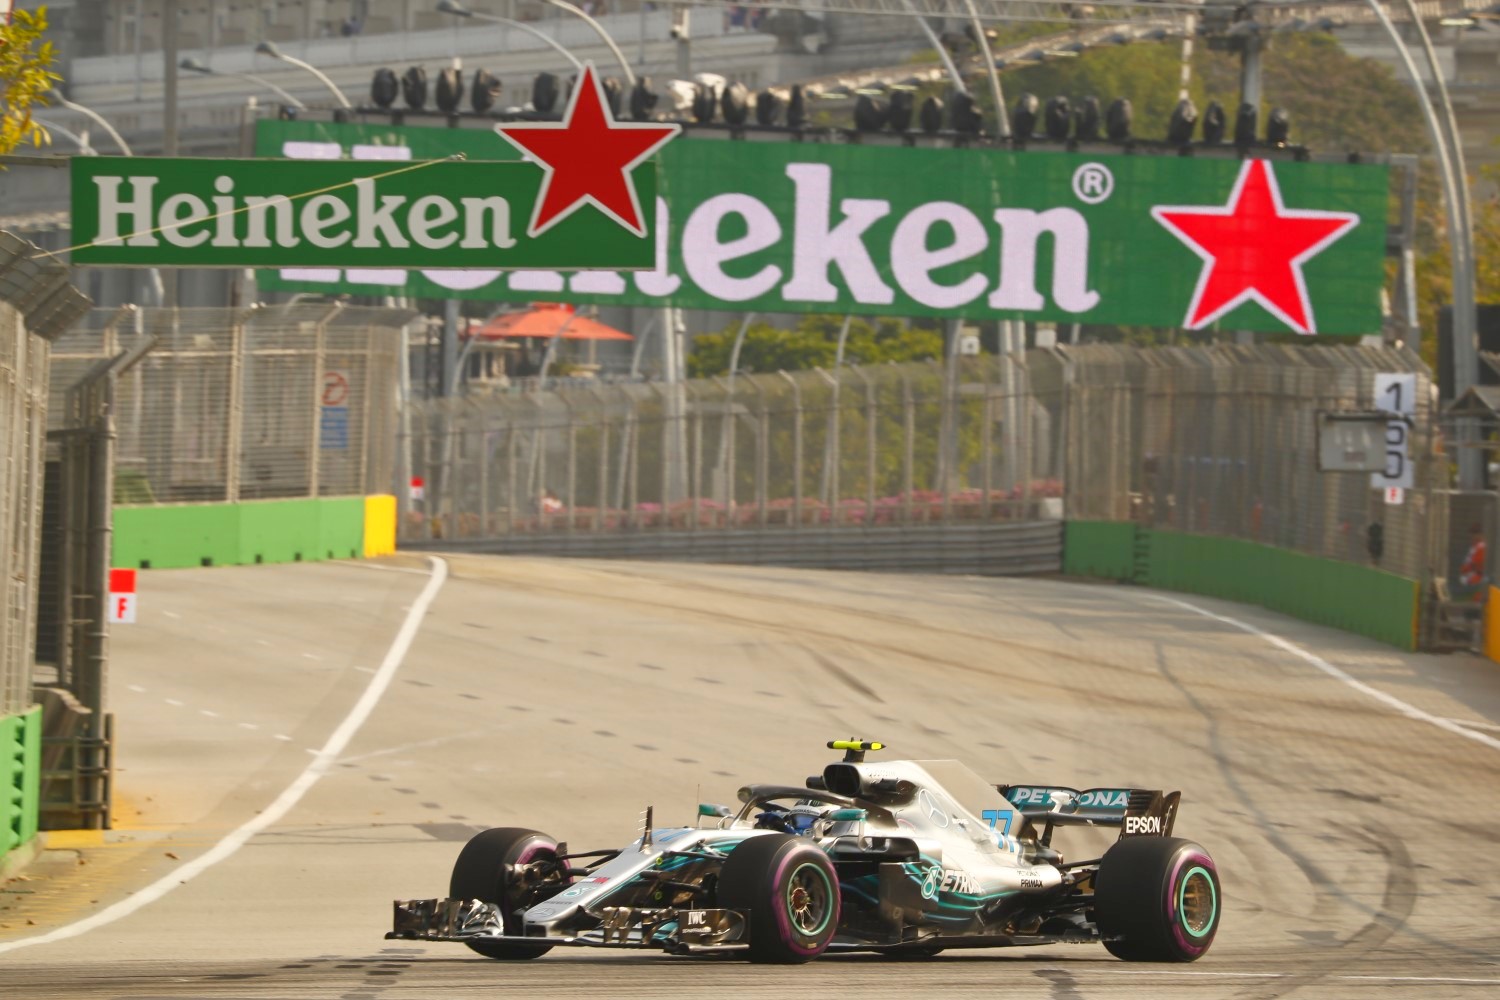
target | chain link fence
x=247, y=404
x=23, y=406
x=1214, y=440
x=899, y=444
x=1223, y=441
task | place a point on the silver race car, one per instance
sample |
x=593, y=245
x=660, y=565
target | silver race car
x=903, y=857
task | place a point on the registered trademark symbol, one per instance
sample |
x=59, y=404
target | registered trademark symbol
x=1093, y=183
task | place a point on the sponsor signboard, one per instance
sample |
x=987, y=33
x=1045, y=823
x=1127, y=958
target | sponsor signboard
x=974, y=233
x=573, y=201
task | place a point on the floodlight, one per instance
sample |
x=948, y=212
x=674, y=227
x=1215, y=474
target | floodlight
x=796, y=108
x=767, y=108
x=734, y=103
x=870, y=114
x=1023, y=119
x=642, y=99
x=1215, y=122
x=1087, y=128
x=1057, y=118
x=384, y=87
x=1244, y=125
x=1180, y=126
x=902, y=104
x=1278, y=126
x=414, y=87
x=450, y=89
x=1117, y=118
x=931, y=115
x=544, y=92
x=485, y=92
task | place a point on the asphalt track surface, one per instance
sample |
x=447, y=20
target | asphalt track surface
x=1356, y=842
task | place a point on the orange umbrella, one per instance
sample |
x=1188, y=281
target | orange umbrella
x=546, y=321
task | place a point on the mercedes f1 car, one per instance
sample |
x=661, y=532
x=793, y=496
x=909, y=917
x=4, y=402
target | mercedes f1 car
x=903, y=857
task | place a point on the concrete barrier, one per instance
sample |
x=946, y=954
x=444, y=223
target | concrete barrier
x=1360, y=599
x=20, y=778
x=170, y=536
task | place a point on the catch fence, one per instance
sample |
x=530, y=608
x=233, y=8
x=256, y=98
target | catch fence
x=23, y=419
x=1211, y=440
x=973, y=440
x=260, y=403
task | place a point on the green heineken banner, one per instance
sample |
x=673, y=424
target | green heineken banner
x=574, y=201
x=979, y=234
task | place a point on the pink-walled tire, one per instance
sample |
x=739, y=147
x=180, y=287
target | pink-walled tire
x=488, y=868
x=790, y=891
x=1157, y=899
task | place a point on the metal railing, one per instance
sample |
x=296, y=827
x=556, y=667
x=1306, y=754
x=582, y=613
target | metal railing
x=1215, y=440
x=247, y=404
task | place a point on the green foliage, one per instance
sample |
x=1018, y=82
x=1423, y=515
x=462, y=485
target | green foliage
x=25, y=78
x=813, y=344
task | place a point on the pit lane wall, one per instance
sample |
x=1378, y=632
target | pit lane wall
x=1359, y=599
x=172, y=536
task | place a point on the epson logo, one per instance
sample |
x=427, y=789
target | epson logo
x=1135, y=825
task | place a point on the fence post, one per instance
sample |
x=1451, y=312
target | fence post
x=314, y=465
x=909, y=458
x=987, y=443
x=870, y=444
x=601, y=484
x=695, y=470
x=796, y=448
x=727, y=442
x=572, y=467
x=512, y=495
x=762, y=452
x=234, y=446
x=831, y=448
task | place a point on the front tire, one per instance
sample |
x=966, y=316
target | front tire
x=790, y=893
x=1157, y=899
x=491, y=867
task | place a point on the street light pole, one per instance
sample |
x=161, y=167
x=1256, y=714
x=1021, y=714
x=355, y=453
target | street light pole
x=1465, y=348
x=194, y=66
x=270, y=49
x=458, y=10
x=158, y=286
x=604, y=35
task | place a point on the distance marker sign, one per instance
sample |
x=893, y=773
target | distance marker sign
x=573, y=202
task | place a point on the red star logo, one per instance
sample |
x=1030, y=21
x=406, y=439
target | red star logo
x=1253, y=249
x=587, y=158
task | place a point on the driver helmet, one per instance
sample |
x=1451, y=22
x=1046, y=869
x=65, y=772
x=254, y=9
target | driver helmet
x=801, y=817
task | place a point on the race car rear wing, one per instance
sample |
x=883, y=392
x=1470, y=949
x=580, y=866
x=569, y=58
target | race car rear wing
x=1138, y=812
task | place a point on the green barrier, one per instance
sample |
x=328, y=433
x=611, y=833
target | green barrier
x=173, y=536
x=20, y=778
x=1355, y=598
x=1099, y=548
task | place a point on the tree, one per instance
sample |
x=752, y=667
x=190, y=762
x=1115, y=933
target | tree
x=25, y=77
x=813, y=344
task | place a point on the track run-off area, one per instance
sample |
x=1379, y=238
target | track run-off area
x=300, y=745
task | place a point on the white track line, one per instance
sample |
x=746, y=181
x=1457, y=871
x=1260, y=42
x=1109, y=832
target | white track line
x=284, y=802
x=1406, y=709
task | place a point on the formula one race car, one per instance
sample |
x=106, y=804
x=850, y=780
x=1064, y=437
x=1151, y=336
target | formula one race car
x=906, y=858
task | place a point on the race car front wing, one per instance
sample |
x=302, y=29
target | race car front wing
x=619, y=926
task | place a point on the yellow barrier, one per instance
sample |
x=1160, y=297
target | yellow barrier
x=1492, y=625
x=380, y=525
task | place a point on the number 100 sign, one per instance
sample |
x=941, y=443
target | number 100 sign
x=1396, y=394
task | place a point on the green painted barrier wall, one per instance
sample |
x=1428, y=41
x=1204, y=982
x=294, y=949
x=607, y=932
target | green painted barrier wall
x=20, y=777
x=1358, y=599
x=173, y=536
x=1099, y=548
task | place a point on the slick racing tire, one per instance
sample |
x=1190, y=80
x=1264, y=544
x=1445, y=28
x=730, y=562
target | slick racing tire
x=488, y=869
x=1157, y=899
x=789, y=891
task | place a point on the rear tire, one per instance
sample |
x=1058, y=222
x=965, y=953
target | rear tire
x=486, y=869
x=790, y=893
x=1157, y=899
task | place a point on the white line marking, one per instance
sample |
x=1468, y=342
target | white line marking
x=207, y=712
x=1408, y=710
x=173, y=702
x=311, y=656
x=1197, y=974
x=262, y=642
x=369, y=565
x=1476, y=725
x=136, y=688
x=365, y=670
x=171, y=614
x=289, y=796
x=283, y=737
x=248, y=725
